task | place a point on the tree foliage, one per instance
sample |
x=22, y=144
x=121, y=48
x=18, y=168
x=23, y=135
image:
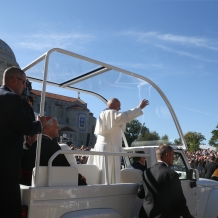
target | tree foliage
x=148, y=136
x=214, y=138
x=193, y=140
x=165, y=140
x=177, y=141
x=133, y=129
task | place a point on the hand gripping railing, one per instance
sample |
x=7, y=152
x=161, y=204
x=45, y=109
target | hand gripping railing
x=88, y=153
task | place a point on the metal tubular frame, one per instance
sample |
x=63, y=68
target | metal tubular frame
x=71, y=88
x=109, y=67
x=81, y=78
x=87, y=153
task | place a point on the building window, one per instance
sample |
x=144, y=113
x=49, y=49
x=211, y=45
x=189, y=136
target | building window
x=45, y=109
x=38, y=108
x=67, y=120
x=49, y=111
x=60, y=113
x=75, y=138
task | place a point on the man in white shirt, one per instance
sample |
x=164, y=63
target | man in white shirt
x=110, y=126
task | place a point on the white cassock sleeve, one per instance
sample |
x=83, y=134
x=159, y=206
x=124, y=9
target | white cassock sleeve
x=110, y=118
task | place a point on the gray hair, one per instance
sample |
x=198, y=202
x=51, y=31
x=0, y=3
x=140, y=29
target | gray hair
x=162, y=150
x=11, y=72
x=111, y=101
x=50, y=122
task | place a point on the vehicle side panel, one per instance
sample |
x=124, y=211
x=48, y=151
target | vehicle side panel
x=56, y=201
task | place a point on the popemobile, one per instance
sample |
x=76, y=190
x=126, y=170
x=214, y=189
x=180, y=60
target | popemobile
x=54, y=191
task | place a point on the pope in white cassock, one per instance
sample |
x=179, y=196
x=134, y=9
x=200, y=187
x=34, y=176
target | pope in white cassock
x=109, y=129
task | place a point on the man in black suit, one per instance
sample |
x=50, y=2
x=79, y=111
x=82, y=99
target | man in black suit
x=26, y=171
x=14, y=124
x=162, y=189
x=30, y=102
x=210, y=168
x=139, y=162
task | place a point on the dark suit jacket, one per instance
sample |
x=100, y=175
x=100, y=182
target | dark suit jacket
x=48, y=148
x=29, y=110
x=163, y=193
x=14, y=123
x=209, y=169
x=139, y=166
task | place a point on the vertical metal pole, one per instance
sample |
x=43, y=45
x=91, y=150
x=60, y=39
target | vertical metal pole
x=106, y=169
x=124, y=139
x=39, y=140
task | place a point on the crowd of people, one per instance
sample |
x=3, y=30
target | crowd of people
x=80, y=159
x=205, y=161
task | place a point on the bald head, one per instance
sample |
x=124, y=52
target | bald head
x=114, y=104
x=11, y=72
x=15, y=79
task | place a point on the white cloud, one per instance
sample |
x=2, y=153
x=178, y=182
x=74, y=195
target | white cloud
x=45, y=41
x=138, y=65
x=183, y=53
x=197, y=111
x=170, y=38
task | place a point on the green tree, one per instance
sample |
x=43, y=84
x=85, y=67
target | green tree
x=133, y=129
x=214, y=138
x=177, y=141
x=165, y=140
x=193, y=140
x=148, y=136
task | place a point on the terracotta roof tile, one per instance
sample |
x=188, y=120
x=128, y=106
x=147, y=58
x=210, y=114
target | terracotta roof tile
x=67, y=128
x=58, y=97
x=76, y=107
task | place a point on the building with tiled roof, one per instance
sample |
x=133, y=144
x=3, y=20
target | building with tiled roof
x=75, y=120
x=58, y=97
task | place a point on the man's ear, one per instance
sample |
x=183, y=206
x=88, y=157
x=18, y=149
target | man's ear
x=167, y=155
x=13, y=80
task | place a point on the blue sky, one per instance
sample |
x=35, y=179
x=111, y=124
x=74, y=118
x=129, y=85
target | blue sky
x=173, y=43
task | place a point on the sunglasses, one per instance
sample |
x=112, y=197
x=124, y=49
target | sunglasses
x=23, y=81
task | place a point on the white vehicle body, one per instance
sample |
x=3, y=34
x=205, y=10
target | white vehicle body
x=54, y=191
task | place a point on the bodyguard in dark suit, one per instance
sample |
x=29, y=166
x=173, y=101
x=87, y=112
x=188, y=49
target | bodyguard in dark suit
x=210, y=168
x=26, y=173
x=137, y=165
x=162, y=189
x=14, y=123
x=139, y=162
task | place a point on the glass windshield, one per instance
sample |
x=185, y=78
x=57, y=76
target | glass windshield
x=154, y=127
x=179, y=166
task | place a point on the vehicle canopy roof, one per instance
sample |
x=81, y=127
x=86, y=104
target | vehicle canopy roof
x=64, y=69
